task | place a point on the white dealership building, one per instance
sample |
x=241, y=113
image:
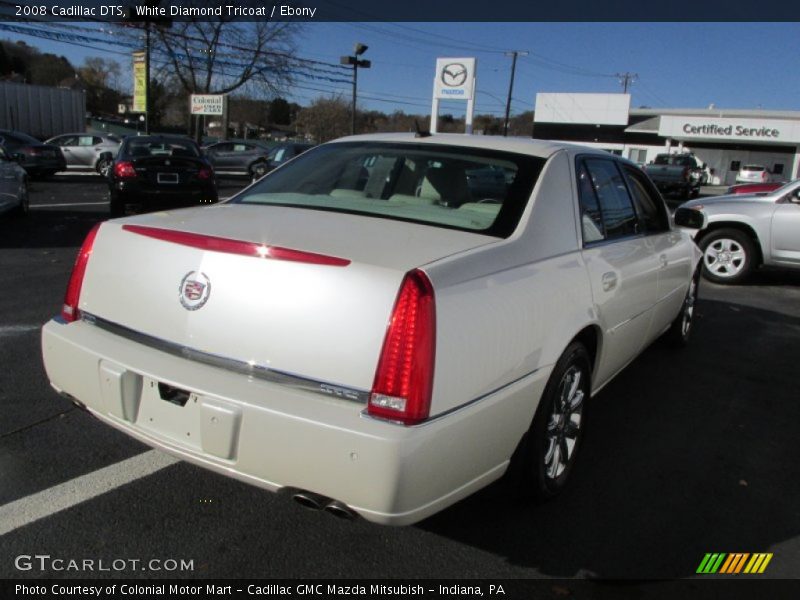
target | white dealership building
x=724, y=139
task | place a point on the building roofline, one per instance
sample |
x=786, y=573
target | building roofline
x=716, y=112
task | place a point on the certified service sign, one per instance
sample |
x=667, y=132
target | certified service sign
x=455, y=78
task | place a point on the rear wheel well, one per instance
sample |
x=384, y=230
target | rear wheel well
x=739, y=227
x=590, y=338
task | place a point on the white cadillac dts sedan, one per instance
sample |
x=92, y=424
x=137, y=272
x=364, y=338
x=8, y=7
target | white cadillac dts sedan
x=383, y=325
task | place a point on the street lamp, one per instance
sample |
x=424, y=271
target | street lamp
x=358, y=50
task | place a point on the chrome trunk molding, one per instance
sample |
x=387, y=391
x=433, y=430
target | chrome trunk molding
x=229, y=364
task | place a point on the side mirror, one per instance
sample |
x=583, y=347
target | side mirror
x=794, y=197
x=690, y=218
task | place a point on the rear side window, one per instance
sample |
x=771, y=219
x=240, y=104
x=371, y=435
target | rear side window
x=648, y=202
x=616, y=207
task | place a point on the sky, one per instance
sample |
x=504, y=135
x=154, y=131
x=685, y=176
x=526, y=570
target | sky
x=679, y=65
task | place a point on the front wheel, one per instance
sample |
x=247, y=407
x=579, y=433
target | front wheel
x=681, y=329
x=546, y=456
x=728, y=255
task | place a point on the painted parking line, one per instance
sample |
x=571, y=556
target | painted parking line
x=75, y=491
x=9, y=330
x=104, y=203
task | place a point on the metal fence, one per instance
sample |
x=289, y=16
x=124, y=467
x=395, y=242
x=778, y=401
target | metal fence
x=41, y=111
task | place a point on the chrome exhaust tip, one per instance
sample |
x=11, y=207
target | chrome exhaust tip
x=340, y=510
x=310, y=500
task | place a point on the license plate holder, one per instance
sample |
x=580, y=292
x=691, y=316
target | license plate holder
x=170, y=178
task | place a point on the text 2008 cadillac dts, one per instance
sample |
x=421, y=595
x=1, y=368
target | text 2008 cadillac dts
x=382, y=326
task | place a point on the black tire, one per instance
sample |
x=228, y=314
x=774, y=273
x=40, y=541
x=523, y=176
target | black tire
x=24, y=206
x=103, y=166
x=729, y=256
x=680, y=332
x=536, y=469
x=116, y=206
x=258, y=169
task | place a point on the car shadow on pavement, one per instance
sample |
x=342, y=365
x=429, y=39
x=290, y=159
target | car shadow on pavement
x=48, y=228
x=686, y=452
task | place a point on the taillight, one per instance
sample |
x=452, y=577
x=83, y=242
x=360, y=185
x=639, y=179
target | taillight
x=686, y=173
x=124, y=169
x=71, y=299
x=205, y=173
x=763, y=175
x=404, y=378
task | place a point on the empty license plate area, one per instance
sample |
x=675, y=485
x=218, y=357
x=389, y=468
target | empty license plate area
x=202, y=423
x=167, y=178
x=170, y=412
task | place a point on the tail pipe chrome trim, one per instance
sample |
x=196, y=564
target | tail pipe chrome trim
x=314, y=501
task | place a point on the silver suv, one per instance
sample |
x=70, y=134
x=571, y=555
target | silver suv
x=743, y=232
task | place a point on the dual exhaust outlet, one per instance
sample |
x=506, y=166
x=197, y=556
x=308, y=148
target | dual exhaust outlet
x=313, y=501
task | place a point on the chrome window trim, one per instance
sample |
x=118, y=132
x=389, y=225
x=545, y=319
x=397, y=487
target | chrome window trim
x=240, y=367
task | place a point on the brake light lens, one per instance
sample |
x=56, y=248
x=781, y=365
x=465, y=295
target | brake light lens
x=404, y=377
x=686, y=173
x=124, y=169
x=69, y=311
x=205, y=173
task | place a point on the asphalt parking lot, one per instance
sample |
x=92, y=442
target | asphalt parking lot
x=687, y=452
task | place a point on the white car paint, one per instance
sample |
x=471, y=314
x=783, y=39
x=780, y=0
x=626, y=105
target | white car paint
x=311, y=335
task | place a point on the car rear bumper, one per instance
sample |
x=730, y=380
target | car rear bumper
x=278, y=437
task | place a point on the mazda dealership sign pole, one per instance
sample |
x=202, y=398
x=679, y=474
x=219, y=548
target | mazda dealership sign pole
x=455, y=80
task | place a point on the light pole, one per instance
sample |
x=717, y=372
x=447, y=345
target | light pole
x=358, y=50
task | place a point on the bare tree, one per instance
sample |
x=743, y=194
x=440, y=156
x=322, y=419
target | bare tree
x=326, y=118
x=220, y=56
x=101, y=72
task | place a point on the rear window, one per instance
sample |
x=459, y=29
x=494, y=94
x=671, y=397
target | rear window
x=675, y=160
x=143, y=147
x=752, y=168
x=468, y=189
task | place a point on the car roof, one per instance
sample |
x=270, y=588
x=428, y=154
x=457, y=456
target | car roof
x=520, y=145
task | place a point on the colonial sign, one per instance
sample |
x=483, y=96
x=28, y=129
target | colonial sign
x=207, y=104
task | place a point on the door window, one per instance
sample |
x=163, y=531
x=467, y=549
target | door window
x=616, y=206
x=648, y=202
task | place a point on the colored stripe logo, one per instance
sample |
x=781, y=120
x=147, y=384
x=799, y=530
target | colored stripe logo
x=734, y=563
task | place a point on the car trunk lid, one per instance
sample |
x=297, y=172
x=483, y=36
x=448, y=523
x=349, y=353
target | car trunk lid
x=302, y=292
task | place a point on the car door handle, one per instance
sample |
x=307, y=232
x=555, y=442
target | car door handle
x=663, y=260
x=609, y=281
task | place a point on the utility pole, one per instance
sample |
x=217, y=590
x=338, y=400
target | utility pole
x=626, y=79
x=513, y=56
x=358, y=50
